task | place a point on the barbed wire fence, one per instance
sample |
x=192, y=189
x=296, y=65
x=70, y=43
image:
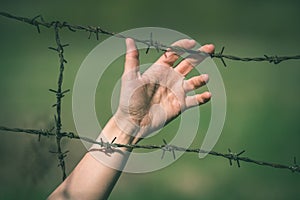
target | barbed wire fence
x=57, y=132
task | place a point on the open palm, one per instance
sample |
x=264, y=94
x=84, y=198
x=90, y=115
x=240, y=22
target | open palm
x=150, y=100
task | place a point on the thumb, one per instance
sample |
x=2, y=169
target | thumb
x=131, y=59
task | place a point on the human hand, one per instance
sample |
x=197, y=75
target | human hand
x=150, y=100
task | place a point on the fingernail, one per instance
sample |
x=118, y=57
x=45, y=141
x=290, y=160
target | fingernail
x=130, y=44
x=209, y=94
x=205, y=77
x=128, y=41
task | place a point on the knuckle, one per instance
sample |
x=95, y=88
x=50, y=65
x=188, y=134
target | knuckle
x=132, y=54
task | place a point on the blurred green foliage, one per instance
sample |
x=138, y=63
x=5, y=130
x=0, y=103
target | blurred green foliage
x=262, y=114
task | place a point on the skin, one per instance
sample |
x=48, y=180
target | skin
x=148, y=102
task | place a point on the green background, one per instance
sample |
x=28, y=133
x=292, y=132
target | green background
x=263, y=106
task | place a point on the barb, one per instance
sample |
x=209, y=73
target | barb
x=231, y=156
x=39, y=21
x=235, y=157
x=167, y=147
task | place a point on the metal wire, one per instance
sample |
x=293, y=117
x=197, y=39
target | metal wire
x=165, y=147
x=39, y=21
x=57, y=132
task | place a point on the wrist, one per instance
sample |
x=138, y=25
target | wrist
x=124, y=134
x=114, y=133
x=122, y=120
x=113, y=157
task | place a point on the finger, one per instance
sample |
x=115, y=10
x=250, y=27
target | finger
x=186, y=65
x=195, y=82
x=198, y=99
x=131, y=67
x=170, y=57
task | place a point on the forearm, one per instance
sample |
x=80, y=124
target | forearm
x=94, y=177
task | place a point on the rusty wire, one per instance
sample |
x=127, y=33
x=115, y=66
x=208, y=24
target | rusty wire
x=39, y=21
x=57, y=132
x=165, y=147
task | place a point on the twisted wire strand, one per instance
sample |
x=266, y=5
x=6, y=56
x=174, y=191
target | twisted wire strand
x=165, y=147
x=57, y=132
x=150, y=43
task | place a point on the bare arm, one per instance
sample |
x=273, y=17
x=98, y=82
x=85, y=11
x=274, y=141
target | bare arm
x=148, y=102
x=91, y=179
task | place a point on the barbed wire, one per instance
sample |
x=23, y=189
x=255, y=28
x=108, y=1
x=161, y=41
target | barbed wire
x=59, y=95
x=150, y=43
x=165, y=147
x=39, y=21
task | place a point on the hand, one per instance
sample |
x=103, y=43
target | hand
x=150, y=100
